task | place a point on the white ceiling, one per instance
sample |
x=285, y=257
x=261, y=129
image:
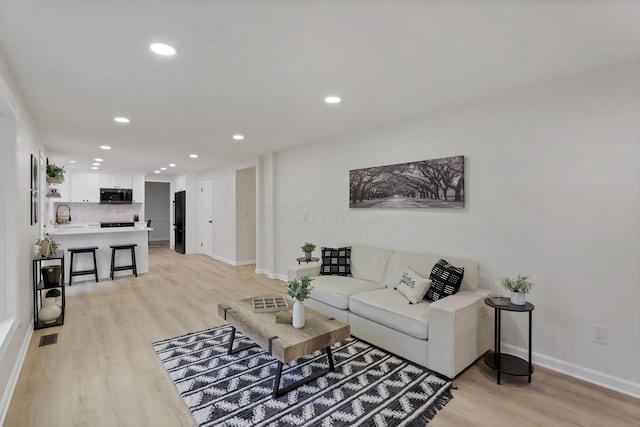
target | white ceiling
x=263, y=67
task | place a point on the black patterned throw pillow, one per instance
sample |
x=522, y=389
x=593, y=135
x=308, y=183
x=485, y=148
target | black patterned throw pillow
x=336, y=261
x=446, y=280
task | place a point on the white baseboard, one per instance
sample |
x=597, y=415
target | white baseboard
x=270, y=275
x=251, y=261
x=576, y=371
x=223, y=259
x=15, y=373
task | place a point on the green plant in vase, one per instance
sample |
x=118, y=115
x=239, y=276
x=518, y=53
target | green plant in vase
x=55, y=173
x=519, y=287
x=299, y=290
x=308, y=248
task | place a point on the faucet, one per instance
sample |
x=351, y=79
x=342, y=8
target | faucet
x=57, y=213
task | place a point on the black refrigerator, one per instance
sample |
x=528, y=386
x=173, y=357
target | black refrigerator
x=179, y=218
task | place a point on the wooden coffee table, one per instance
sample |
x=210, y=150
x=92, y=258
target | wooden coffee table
x=281, y=340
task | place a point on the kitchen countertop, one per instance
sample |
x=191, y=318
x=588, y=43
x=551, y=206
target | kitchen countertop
x=65, y=229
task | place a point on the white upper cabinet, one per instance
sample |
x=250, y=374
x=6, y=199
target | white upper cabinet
x=138, y=188
x=116, y=181
x=84, y=187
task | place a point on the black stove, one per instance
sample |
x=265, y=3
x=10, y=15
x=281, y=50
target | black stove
x=117, y=224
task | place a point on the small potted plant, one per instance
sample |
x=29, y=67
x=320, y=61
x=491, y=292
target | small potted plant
x=55, y=174
x=299, y=290
x=519, y=287
x=308, y=248
x=52, y=295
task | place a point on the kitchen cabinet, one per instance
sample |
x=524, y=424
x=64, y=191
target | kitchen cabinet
x=116, y=181
x=84, y=187
x=138, y=188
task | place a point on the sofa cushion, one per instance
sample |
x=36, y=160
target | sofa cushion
x=336, y=290
x=336, y=261
x=389, y=307
x=413, y=286
x=446, y=280
x=423, y=264
x=369, y=263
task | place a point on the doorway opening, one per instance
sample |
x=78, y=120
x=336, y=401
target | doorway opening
x=157, y=208
x=246, y=216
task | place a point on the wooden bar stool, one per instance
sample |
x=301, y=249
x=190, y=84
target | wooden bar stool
x=74, y=251
x=132, y=248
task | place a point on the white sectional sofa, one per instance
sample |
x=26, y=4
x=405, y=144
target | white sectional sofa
x=445, y=336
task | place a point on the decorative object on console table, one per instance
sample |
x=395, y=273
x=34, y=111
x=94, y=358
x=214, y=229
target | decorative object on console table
x=299, y=290
x=519, y=287
x=47, y=246
x=308, y=249
x=507, y=363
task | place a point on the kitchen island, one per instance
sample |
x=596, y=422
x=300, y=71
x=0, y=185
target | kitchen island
x=86, y=235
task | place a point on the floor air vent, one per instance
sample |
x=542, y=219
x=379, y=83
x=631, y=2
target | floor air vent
x=48, y=339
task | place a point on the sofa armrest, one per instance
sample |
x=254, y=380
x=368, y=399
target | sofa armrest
x=303, y=270
x=460, y=331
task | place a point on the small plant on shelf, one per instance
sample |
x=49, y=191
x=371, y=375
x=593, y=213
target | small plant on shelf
x=299, y=290
x=308, y=248
x=55, y=174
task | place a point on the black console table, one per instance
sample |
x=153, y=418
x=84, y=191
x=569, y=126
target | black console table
x=507, y=363
x=40, y=287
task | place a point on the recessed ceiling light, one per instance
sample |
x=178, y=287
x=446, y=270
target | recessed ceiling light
x=173, y=165
x=332, y=99
x=72, y=161
x=94, y=167
x=156, y=171
x=163, y=169
x=162, y=49
x=99, y=160
x=95, y=164
x=193, y=156
x=121, y=119
x=105, y=147
x=238, y=137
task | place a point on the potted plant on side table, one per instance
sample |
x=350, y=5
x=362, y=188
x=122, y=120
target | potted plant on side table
x=519, y=287
x=308, y=248
x=299, y=290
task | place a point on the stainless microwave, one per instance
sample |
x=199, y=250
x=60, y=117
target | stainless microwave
x=115, y=196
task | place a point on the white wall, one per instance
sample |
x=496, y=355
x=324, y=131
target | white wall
x=552, y=191
x=17, y=199
x=224, y=210
x=246, y=215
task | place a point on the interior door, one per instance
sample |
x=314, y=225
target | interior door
x=206, y=216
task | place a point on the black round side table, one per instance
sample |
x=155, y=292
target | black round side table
x=507, y=363
x=307, y=260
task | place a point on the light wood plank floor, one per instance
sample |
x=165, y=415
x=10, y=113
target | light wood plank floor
x=104, y=372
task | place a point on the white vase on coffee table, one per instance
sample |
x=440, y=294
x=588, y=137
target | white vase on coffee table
x=298, y=317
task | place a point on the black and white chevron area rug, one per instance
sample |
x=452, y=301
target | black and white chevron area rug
x=369, y=387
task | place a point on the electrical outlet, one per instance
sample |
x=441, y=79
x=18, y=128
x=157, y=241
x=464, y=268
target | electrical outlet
x=599, y=334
